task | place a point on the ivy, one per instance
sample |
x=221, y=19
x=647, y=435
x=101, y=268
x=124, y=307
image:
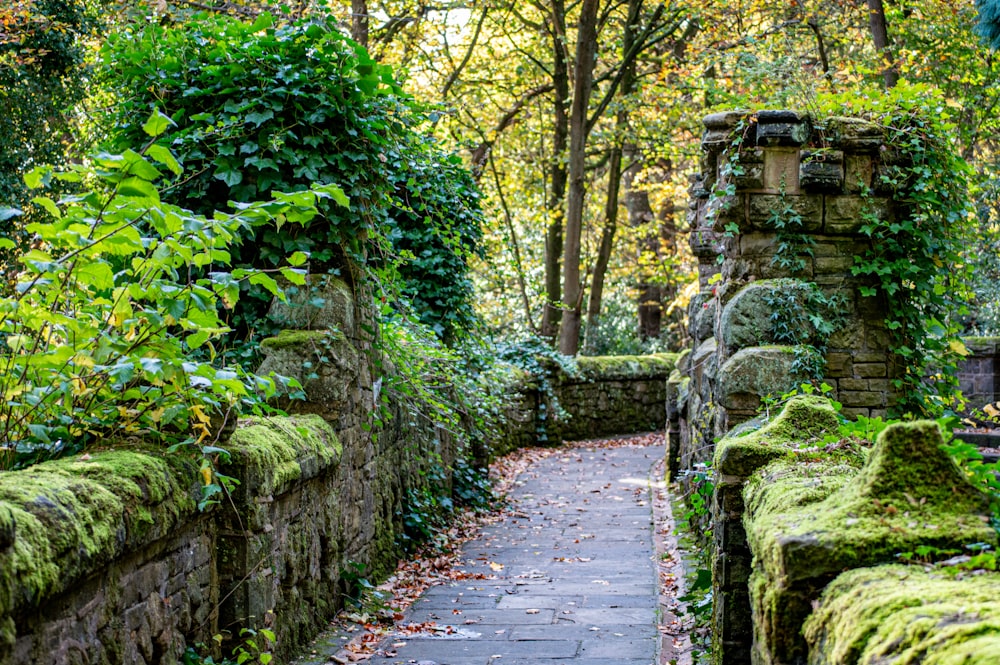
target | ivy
x=917, y=257
x=266, y=107
x=116, y=301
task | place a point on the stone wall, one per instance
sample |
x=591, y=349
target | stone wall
x=977, y=373
x=779, y=202
x=604, y=396
x=107, y=559
x=792, y=514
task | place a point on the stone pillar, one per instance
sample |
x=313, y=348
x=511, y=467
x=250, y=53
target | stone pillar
x=777, y=212
x=776, y=217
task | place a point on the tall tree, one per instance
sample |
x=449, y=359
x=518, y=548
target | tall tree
x=583, y=83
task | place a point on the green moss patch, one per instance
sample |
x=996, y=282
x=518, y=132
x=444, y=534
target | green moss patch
x=906, y=615
x=293, y=338
x=909, y=493
x=803, y=421
x=68, y=517
x=624, y=368
x=279, y=450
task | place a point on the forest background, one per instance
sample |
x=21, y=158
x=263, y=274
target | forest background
x=580, y=122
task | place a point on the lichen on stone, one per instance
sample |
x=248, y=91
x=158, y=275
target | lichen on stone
x=906, y=615
x=909, y=493
x=626, y=367
x=296, y=338
x=279, y=450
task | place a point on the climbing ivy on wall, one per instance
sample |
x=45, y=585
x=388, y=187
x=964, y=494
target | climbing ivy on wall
x=917, y=257
x=268, y=107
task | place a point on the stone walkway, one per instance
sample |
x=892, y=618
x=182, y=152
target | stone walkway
x=571, y=578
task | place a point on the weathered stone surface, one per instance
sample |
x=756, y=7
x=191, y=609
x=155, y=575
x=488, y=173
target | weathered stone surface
x=885, y=613
x=325, y=362
x=854, y=134
x=797, y=213
x=747, y=317
x=325, y=302
x=821, y=170
x=806, y=522
x=782, y=128
x=781, y=171
x=752, y=373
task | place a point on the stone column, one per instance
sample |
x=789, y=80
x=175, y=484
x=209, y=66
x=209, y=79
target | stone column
x=776, y=217
x=778, y=210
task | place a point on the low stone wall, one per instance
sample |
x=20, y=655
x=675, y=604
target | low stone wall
x=106, y=558
x=977, y=373
x=607, y=395
x=792, y=513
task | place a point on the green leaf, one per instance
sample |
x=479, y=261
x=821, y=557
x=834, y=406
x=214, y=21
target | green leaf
x=7, y=243
x=157, y=123
x=8, y=213
x=49, y=206
x=259, y=117
x=298, y=258
x=97, y=275
x=293, y=275
x=229, y=175
x=138, y=188
x=196, y=339
x=163, y=155
x=268, y=283
x=263, y=22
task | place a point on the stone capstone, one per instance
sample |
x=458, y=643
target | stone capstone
x=755, y=372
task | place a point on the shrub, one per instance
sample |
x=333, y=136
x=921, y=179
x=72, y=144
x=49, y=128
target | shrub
x=262, y=107
x=118, y=294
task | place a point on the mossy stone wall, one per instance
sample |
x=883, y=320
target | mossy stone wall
x=107, y=560
x=977, y=372
x=793, y=512
x=777, y=210
x=607, y=395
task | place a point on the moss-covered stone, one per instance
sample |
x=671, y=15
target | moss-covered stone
x=69, y=517
x=323, y=361
x=324, y=303
x=906, y=615
x=748, y=318
x=607, y=368
x=803, y=421
x=805, y=523
x=274, y=452
x=755, y=372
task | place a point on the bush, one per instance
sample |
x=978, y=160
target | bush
x=115, y=300
x=263, y=107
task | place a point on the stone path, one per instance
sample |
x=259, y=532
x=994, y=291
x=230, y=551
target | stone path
x=570, y=579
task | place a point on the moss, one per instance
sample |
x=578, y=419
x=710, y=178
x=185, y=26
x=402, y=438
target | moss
x=280, y=450
x=598, y=368
x=909, y=493
x=70, y=516
x=292, y=338
x=905, y=615
x=804, y=420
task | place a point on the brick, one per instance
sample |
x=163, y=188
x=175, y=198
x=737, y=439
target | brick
x=853, y=384
x=834, y=264
x=851, y=412
x=762, y=207
x=858, y=172
x=869, y=356
x=860, y=398
x=838, y=364
x=870, y=370
x=881, y=385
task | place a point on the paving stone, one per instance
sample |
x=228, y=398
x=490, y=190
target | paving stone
x=577, y=583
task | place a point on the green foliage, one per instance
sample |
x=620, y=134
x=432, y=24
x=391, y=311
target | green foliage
x=803, y=316
x=113, y=303
x=617, y=332
x=917, y=257
x=254, y=648
x=42, y=75
x=263, y=107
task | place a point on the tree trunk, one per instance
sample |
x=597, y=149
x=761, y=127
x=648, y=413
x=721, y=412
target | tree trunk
x=557, y=174
x=607, y=243
x=359, y=22
x=586, y=48
x=628, y=80
x=880, y=38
